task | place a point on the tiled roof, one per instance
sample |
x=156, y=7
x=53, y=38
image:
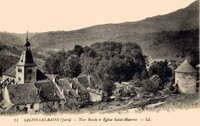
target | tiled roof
x=84, y=81
x=92, y=81
x=185, y=67
x=10, y=71
x=97, y=81
x=49, y=91
x=33, y=93
x=78, y=85
x=41, y=76
x=68, y=91
x=23, y=94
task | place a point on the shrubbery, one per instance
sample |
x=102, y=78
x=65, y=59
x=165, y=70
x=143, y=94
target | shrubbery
x=150, y=86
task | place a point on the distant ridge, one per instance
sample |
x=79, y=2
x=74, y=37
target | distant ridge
x=167, y=35
x=181, y=20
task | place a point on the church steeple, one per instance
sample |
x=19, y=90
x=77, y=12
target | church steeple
x=26, y=67
x=27, y=43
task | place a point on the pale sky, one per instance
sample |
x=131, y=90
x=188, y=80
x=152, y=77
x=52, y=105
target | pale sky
x=54, y=15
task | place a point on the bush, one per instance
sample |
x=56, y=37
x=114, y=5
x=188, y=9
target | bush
x=149, y=86
x=157, y=81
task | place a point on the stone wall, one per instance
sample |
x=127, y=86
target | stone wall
x=186, y=82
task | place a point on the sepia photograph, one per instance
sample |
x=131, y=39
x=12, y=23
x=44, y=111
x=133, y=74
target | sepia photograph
x=99, y=62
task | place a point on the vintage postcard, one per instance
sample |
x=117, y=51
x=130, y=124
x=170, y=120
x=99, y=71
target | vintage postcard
x=99, y=62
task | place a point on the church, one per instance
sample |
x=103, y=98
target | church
x=25, y=88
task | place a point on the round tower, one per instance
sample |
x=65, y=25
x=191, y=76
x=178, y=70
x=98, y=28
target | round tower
x=186, y=77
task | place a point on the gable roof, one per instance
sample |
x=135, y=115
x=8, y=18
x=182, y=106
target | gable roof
x=93, y=81
x=48, y=91
x=84, y=81
x=23, y=94
x=41, y=76
x=10, y=71
x=185, y=67
x=33, y=93
x=78, y=85
x=64, y=85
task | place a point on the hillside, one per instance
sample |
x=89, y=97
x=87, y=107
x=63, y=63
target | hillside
x=11, y=47
x=173, y=36
x=8, y=39
x=153, y=28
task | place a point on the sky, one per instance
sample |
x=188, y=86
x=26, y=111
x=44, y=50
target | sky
x=55, y=15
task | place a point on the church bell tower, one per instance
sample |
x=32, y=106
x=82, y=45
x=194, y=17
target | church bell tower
x=26, y=67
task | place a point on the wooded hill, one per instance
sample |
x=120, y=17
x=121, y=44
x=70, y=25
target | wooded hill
x=158, y=31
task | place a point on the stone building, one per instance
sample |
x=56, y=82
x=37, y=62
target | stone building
x=186, y=77
x=25, y=88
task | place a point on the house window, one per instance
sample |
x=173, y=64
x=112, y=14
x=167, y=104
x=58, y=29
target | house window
x=19, y=78
x=32, y=105
x=20, y=70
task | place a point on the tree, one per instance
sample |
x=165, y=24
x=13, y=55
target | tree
x=161, y=69
x=193, y=58
x=78, y=50
x=72, y=66
x=52, y=66
x=116, y=61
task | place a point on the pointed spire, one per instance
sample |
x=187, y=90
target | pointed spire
x=27, y=43
x=27, y=36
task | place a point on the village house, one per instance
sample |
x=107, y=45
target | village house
x=125, y=90
x=94, y=86
x=186, y=78
x=83, y=90
x=25, y=88
x=72, y=91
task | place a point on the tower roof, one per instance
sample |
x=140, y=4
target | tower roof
x=27, y=43
x=26, y=58
x=185, y=67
